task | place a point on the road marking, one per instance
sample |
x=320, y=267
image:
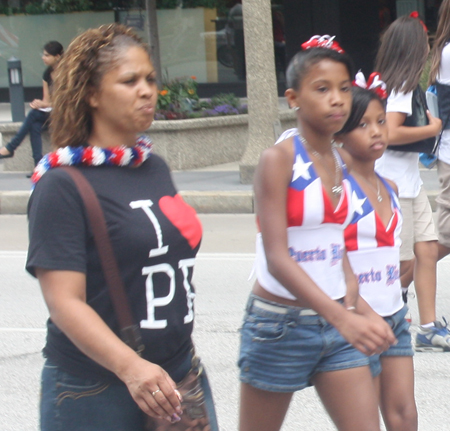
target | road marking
x=23, y=329
x=204, y=256
x=226, y=256
x=16, y=254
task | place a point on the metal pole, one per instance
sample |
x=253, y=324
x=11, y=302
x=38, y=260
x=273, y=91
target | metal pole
x=153, y=38
x=16, y=96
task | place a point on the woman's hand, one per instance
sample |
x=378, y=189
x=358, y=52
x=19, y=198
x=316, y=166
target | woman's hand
x=150, y=386
x=152, y=389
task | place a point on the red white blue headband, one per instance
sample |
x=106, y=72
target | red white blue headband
x=325, y=41
x=374, y=84
x=415, y=14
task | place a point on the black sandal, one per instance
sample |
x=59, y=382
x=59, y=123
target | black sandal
x=6, y=156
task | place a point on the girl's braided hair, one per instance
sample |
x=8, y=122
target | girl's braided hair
x=79, y=74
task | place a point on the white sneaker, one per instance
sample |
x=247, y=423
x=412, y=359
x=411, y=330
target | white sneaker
x=434, y=339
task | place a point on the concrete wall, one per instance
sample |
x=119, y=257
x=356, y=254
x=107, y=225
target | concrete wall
x=184, y=144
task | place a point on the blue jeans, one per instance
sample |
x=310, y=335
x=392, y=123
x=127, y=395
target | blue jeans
x=33, y=125
x=70, y=403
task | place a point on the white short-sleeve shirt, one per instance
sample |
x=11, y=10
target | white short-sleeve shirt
x=401, y=167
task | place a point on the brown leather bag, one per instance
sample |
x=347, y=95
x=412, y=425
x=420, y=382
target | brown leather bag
x=195, y=415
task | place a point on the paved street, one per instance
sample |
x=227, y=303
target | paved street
x=221, y=274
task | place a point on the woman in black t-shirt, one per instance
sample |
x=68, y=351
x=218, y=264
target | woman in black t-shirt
x=104, y=95
x=40, y=111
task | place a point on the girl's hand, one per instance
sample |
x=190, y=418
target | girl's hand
x=152, y=389
x=369, y=336
x=435, y=122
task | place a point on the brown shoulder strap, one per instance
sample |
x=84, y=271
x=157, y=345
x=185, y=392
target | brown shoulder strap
x=130, y=333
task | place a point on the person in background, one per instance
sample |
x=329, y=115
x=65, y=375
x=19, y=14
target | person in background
x=38, y=117
x=440, y=76
x=400, y=61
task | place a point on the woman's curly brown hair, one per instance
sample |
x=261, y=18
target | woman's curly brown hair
x=78, y=75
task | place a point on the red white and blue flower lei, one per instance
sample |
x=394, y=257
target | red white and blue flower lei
x=95, y=156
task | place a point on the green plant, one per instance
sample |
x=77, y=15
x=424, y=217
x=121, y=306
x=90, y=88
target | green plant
x=178, y=100
x=61, y=6
x=211, y=4
x=34, y=8
x=220, y=5
x=226, y=99
x=178, y=94
x=166, y=4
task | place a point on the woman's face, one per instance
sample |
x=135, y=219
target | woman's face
x=50, y=60
x=126, y=98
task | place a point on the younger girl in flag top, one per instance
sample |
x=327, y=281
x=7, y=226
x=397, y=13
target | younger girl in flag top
x=372, y=241
x=305, y=322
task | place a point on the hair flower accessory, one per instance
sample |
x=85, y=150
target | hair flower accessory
x=325, y=41
x=374, y=84
x=415, y=14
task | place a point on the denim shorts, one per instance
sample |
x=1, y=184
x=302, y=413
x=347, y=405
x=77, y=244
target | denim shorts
x=283, y=347
x=71, y=403
x=400, y=327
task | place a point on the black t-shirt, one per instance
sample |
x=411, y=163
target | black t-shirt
x=155, y=236
x=47, y=76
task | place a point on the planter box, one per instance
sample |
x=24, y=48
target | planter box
x=184, y=144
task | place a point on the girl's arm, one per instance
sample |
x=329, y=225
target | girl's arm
x=271, y=182
x=399, y=134
x=65, y=295
x=352, y=296
x=45, y=102
x=354, y=302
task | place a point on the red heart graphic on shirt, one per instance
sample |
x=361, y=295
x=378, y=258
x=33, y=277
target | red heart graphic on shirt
x=183, y=217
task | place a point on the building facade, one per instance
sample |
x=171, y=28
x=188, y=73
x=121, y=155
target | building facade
x=204, y=42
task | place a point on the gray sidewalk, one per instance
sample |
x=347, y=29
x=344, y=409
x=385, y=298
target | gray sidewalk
x=215, y=189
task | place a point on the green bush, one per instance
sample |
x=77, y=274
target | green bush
x=179, y=100
x=36, y=7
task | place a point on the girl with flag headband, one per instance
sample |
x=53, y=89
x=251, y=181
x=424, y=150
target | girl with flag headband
x=305, y=323
x=372, y=240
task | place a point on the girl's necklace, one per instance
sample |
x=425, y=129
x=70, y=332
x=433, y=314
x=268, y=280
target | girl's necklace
x=337, y=188
x=377, y=189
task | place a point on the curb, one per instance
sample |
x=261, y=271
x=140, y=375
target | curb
x=211, y=202
x=14, y=202
x=220, y=202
